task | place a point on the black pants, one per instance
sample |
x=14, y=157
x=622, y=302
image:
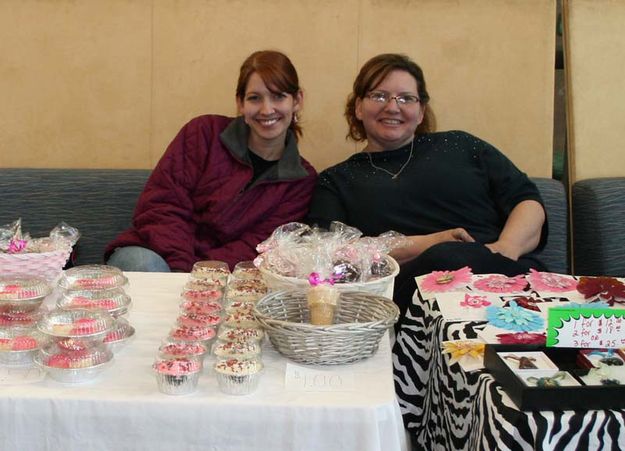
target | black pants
x=454, y=255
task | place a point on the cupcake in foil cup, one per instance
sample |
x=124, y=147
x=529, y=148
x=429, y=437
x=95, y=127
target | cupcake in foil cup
x=241, y=318
x=236, y=349
x=199, y=319
x=232, y=306
x=246, y=270
x=173, y=350
x=177, y=376
x=211, y=270
x=202, y=291
x=203, y=335
x=200, y=307
x=228, y=333
x=246, y=290
x=238, y=376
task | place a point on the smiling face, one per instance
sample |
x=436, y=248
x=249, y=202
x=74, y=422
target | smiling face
x=268, y=114
x=388, y=125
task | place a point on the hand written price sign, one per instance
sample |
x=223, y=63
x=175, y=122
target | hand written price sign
x=586, y=328
x=309, y=379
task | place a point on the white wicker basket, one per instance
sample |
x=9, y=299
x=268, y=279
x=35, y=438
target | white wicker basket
x=361, y=321
x=382, y=286
x=41, y=264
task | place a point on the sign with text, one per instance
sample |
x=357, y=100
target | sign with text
x=586, y=328
x=301, y=378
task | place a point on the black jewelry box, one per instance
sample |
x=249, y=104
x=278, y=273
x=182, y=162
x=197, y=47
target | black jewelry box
x=582, y=397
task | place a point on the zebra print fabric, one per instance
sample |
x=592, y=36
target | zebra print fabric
x=445, y=408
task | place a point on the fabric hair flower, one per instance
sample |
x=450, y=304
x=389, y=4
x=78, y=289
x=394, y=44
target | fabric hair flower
x=548, y=281
x=498, y=283
x=514, y=318
x=461, y=348
x=525, y=302
x=522, y=338
x=473, y=301
x=442, y=281
x=607, y=288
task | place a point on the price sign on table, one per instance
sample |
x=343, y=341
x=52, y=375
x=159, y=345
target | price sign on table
x=302, y=378
x=586, y=328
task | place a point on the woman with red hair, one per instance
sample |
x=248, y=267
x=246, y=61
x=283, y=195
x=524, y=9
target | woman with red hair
x=224, y=184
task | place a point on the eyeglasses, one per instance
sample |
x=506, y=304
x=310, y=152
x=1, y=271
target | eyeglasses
x=383, y=97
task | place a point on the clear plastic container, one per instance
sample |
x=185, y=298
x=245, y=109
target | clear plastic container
x=211, y=270
x=246, y=290
x=246, y=270
x=18, y=346
x=114, y=301
x=22, y=294
x=120, y=336
x=200, y=291
x=22, y=319
x=86, y=325
x=73, y=366
x=92, y=277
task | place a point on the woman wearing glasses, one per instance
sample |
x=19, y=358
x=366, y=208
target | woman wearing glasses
x=224, y=184
x=458, y=199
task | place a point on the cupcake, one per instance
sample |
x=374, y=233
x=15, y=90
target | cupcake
x=193, y=333
x=246, y=270
x=236, y=349
x=238, y=376
x=201, y=307
x=198, y=292
x=177, y=376
x=238, y=306
x=199, y=319
x=241, y=318
x=246, y=290
x=211, y=270
x=177, y=349
x=240, y=333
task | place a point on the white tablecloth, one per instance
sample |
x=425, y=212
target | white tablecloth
x=123, y=409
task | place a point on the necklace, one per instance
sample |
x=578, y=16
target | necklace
x=396, y=174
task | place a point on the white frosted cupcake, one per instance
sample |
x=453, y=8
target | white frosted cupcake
x=240, y=333
x=246, y=290
x=236, y=349
x=238, y=376
x=241, y=318
x=177, y=376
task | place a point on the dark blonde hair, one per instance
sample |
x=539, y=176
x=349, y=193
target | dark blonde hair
x=276, y=71
x=370, y=76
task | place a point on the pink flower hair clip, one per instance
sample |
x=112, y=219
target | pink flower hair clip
x=473, y=301
x=548, y=281
x=498, y=283
x=442, y=281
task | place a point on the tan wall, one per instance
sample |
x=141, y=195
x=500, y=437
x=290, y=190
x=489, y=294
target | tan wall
x=595, y=51
x=109, y=83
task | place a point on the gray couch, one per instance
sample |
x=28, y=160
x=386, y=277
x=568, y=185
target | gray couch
x=598, y=207
x=100, y=202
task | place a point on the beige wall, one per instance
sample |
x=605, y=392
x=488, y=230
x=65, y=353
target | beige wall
x=109, y=83
x=595, y=52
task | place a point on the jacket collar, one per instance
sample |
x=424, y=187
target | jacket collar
x=235, y=136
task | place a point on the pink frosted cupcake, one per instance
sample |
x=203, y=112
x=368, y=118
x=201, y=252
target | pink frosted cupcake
x=177, y=376
x=193, y=333
x=200, y=307
x=197, y=291
x=199, y=319
x=237, y=376
x=178, y=349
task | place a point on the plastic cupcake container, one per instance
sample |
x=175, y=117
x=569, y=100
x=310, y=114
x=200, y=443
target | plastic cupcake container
x=18, y=346
x=22, y=294
x=211, y=270
x=246, y=270
x=120, y=336
x=86, y=325
x=92, y=277
x=73, y=367
x=201, y=307
x=115, y=301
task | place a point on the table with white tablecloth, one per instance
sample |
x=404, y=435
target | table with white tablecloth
x=122, y=409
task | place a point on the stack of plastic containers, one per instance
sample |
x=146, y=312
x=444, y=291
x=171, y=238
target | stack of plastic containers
x=20, y=309
x=87, y=325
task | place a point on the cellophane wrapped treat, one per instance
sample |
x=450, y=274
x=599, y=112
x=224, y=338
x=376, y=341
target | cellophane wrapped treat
x=340, y=255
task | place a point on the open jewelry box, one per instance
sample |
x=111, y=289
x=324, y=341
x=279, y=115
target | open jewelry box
x=540, y=378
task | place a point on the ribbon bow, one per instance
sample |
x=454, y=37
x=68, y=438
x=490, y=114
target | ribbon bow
x=315, y=279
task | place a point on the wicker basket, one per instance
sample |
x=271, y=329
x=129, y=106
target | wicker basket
x=382, y=286
x=41, y=264
x=361, y=321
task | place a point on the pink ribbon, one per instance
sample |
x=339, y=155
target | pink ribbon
x=315, y=279
x=16, y=246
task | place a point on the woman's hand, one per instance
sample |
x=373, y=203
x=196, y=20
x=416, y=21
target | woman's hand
x=416, y=244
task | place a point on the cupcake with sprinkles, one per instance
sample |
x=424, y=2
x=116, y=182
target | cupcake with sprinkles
x=238, y=376
x=200, y=307
x=199, y=319
x=236, y=349
x=178, y=376
x=227, y=333
x=203, y=335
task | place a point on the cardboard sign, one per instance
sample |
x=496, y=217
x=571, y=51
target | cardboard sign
x=586, y=328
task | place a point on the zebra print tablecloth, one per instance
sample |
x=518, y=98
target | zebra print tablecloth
x=445, y=408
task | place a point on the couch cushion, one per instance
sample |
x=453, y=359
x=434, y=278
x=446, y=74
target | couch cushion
x=99, y=202
x=555, y=254
x=598, y=227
